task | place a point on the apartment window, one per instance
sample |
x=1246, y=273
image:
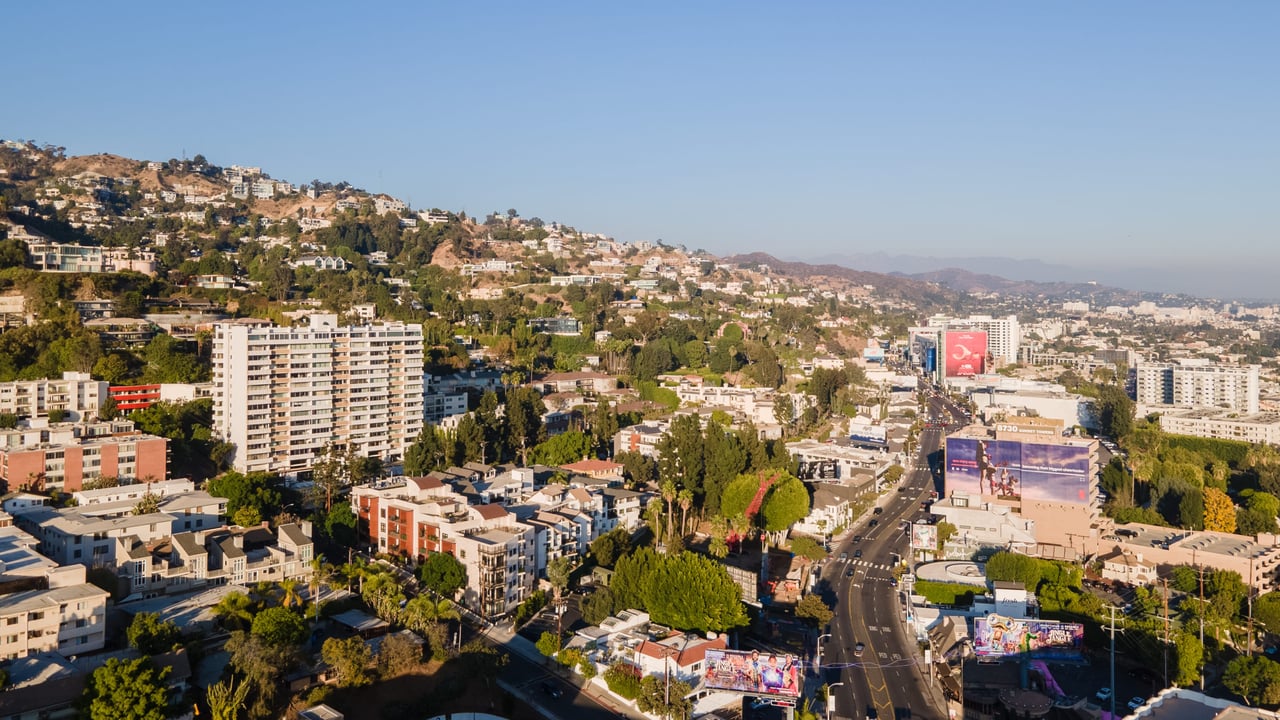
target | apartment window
x=11, y=621
x=37, y=615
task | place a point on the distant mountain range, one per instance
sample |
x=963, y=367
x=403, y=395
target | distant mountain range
x=1025, y=276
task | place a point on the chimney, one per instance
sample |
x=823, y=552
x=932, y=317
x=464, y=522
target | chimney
x=238, y=541
x=306, y=528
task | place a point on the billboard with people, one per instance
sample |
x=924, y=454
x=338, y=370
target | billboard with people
x=753, y=672
x=964, y=352
x=1016, y=470
x=924, y=536
x=999, y=636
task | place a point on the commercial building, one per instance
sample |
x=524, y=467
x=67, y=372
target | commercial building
x=1198, y=383
x=983, y=527
x=1256, y=559
x=995, y=396
x=1027, y=465
x=1223, y=425
x=1004, y=335
x=63, y=456
x=76, y=394
x=282, y=395
x=855, y=467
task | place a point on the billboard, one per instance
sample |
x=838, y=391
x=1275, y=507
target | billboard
x=753, y=672
x=924, y=536
x=965, y=352
x=818, y=470
x=999, y=636
x=867, y=434
x=1016, y=470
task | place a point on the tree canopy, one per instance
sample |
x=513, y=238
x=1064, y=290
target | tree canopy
x=128, y=690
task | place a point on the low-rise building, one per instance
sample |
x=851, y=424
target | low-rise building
x=1258, y=428
x=76, y=394
x=44, y=607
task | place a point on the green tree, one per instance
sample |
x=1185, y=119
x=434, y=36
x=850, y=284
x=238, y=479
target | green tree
x=261, y=664
x=1266, y=610
x=604, y=425
x=607, y=548
x=148, y=504
x=659, y=698
x=597, y=606
x=562, y=449
x=349, y=658
x=259, y=491
x=1256, y=679
x=128, y=690
x=234, y=610
x=548, y=644
x=1188, y=658
x=1012, y=567
x=811, y=607
x=340, y=525
x=1115, y=411
x=442, y=574
x=279, y=627
x=524, y=418
x=691, y=592
x=639, y=469
x=149, y=635
x=558, y=574
x=383, y=594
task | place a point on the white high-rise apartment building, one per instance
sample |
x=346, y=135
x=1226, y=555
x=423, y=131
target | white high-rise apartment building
x=281, y=395
x=1004, y=335
x=1198, y=383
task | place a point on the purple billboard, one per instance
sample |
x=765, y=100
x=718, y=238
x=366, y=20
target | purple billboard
x=1016, y=470
x=996, y=636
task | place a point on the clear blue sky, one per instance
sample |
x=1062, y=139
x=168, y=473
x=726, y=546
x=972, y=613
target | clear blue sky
x=1022, y=129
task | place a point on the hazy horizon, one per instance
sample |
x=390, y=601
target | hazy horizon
x=1099, y=132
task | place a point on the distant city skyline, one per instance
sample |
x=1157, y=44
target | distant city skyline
x=1138, y=136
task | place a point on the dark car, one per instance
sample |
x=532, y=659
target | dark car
x=857, y=649
x=857, y=553
x=551, y=689
x=878, y=511
x=873, y=523
x=857, y=538
x=849, y=572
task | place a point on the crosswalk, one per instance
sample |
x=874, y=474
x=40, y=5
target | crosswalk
x=866, y=564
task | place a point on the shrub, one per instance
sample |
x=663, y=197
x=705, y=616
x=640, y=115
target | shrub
x=623, y=680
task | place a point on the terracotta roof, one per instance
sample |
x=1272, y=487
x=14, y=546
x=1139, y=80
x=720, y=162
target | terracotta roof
x=426, y=483
x=491, y=511
x=593, y=466
x=692, y=653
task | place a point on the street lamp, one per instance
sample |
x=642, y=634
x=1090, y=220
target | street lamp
x=831, y=697
x=818, y=666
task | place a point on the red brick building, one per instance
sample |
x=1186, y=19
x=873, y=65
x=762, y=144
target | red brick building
x=63, y=457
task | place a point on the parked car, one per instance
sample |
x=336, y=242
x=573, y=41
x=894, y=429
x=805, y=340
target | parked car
x=551, y=689
x=1137, y=702
x=1104, y=694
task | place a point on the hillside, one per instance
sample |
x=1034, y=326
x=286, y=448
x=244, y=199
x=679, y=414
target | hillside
x=923, y=293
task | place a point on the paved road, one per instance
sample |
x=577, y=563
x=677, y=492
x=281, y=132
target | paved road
x=888, y=680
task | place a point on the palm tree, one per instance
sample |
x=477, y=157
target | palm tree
x=226, y=700
x=686, y=501
x=669, y=494
x=383, y=594
x=265, y=593
x=235, y=610
x=423, y=611
x=289, y=592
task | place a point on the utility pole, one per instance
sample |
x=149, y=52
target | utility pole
x=1113, y=609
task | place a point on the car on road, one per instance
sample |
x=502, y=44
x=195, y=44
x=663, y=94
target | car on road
x=849, y=572
x=1104, y=694
x=857, y=650
x=857, y=553
x=857, y=538
x=844, y=556
x=878, y=511
x=873, y=523
x=1136, y=702
x=551, y=689
x=893, y=582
